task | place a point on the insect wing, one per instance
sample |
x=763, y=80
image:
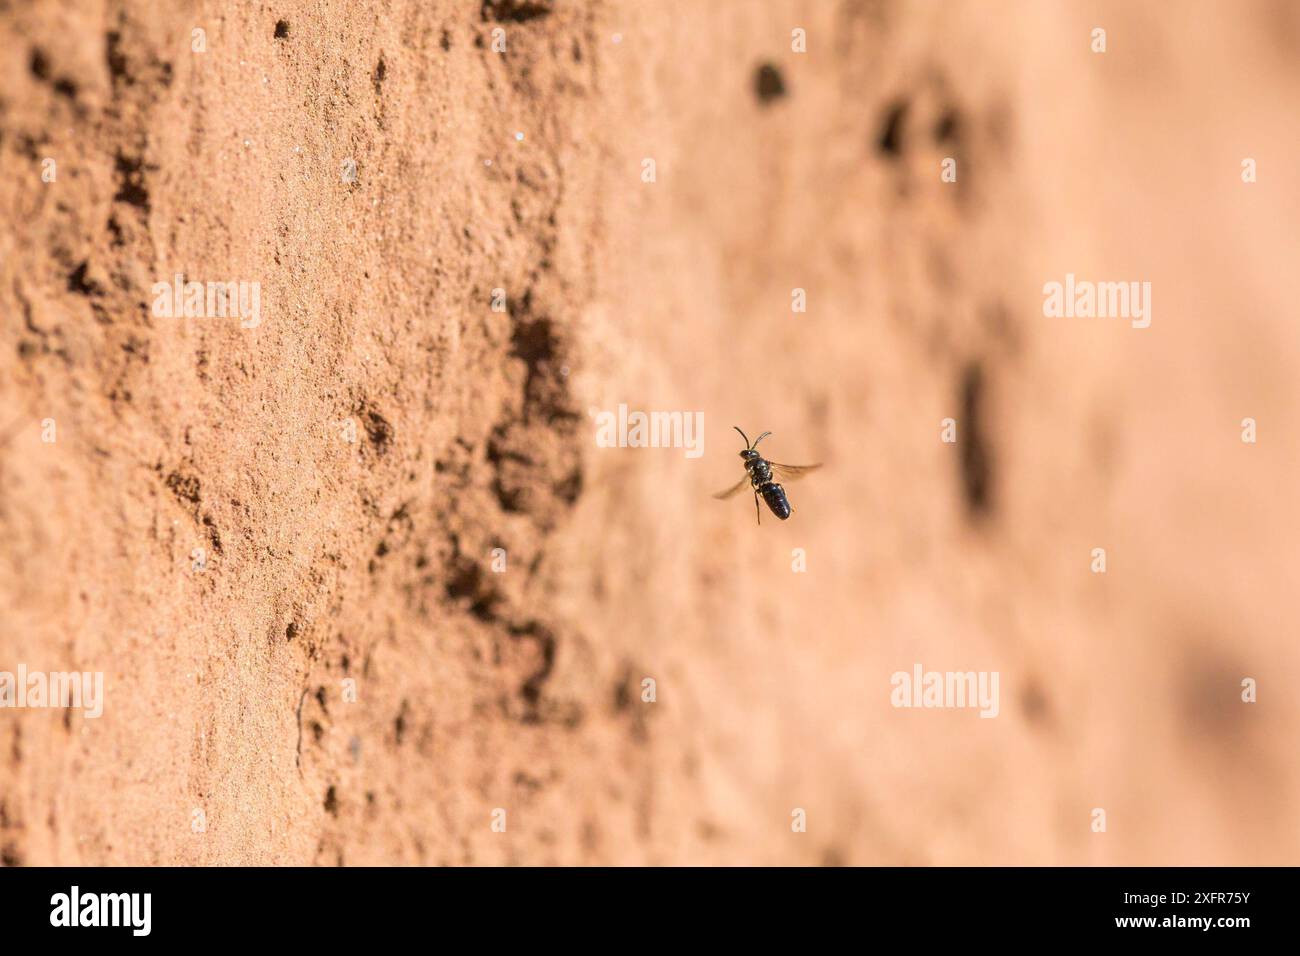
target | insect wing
x=723, y=495
x=792, y=472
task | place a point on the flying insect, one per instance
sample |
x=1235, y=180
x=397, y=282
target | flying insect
x=760, y=474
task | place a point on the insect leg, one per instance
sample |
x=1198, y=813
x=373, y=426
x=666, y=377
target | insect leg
x=758, y=512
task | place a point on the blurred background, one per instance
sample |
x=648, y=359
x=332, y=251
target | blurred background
x=456, y=613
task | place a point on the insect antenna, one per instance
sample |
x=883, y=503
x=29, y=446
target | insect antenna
x=742, y=435
x=759, y=439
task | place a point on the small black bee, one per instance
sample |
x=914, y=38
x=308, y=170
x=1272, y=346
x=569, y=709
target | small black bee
x=759, y=472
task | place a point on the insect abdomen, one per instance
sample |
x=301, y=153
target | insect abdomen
x=776, y=500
